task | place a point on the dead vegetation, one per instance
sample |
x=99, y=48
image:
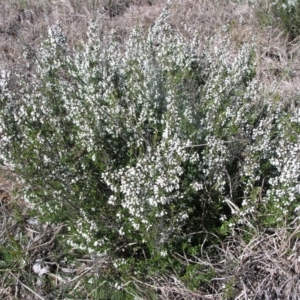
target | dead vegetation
x=24, y=24
x=266, y=267
x=32, y=259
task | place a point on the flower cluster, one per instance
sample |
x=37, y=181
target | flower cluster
x=288, y=5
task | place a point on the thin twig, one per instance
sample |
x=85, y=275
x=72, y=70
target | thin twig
x=58, y=230
x=26, y=287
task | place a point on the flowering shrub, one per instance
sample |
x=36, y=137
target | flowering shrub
x=138, y=152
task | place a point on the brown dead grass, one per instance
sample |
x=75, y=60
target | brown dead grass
x=267, y=267
x=26, y=22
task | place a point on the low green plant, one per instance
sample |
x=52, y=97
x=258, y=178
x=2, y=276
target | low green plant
x=197, y=276
x=288, y=14
x=229, y=290
x=284, y=14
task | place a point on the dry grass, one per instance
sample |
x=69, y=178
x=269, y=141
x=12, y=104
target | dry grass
x=266, y=267
x=26, y=22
